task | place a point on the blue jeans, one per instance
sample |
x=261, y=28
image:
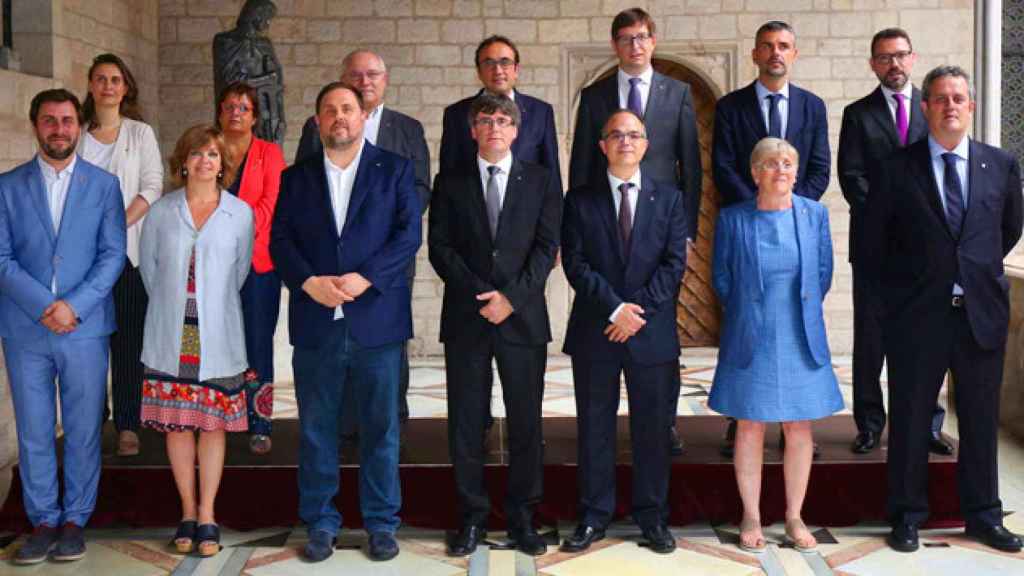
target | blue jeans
x=321, y=376
x=80, y=367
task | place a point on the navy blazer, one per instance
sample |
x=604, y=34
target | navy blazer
x=85, y=256
x=736, y=277
x=739, y=126
x=379, y=239
x=535, y=142
x=650, y=277
x=673, y=152
x=912, y=258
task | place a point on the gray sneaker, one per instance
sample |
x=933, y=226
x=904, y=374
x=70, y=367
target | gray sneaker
x=71, y=544
x=38, y=545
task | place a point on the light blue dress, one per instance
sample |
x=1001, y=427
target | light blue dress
x=782, y=382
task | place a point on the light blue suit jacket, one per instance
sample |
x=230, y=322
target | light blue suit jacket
x=86, y=255
x=736, y=276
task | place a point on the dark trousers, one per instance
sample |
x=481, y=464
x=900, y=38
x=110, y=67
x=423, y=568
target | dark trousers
x=649, y=389
x=868, y=357
x=468, y=370
x=261, y=302
x=126, y=370
x=918, y=363
x=350, y=423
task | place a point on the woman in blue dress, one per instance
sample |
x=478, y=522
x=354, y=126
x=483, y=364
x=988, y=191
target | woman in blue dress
x=772, y=268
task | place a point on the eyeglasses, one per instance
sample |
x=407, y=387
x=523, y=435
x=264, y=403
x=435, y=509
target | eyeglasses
x=621, y=137
x=887, y=59
x=371, y=75
x=627, y=40
x=503, y=63
x=778, y=165
x=500, y=122
x=232, y=108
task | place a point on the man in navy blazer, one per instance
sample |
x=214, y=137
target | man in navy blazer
x=944, y=214
x=872, y=131
x=497, y=66
x=624, y=253
x=346, y=226
x=62, y=248
x=770, y=106
x=673, y=153
x=389, y=130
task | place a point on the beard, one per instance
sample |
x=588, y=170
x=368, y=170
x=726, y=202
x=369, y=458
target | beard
x=52, y=151
x=339, y=143
x=895, y=82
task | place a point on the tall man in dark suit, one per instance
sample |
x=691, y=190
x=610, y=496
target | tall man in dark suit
x=346, y=226
x=769, y=106
x=388, y=130
x=944, y=214
x=497, y=66
x=493, y=238
x=624, y=253
x=673, y=154
x=874, y=127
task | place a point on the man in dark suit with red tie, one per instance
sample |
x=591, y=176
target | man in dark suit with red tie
x=493, y=237
x=887, y=119
x=943, y=215
x=624, y=253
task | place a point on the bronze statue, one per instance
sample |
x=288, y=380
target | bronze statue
x=244, y=53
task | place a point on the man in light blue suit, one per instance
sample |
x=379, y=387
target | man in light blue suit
x=62, y=247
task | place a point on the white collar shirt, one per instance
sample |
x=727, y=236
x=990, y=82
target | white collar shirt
x=504, y=167
x=340, y=182
x=962, y=152
x=644, y=86
x=632, y=194
x=56, y=185
x=372, y=126
x=762, y=99
x=908, y=97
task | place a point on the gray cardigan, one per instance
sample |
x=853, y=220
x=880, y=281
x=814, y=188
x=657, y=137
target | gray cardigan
x=223, y=254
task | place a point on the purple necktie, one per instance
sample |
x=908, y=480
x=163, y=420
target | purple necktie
x=901, y=118
x=633, y=100
x=625, y=218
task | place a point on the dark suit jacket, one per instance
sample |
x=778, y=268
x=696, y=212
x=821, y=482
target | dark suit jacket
x=673, y=153
x=380, y=237
x=398, y=133
x=912, y=259
x=739, y=126
x=516, y=263
x=868, y=137
x=593, y=263
x=535, y=143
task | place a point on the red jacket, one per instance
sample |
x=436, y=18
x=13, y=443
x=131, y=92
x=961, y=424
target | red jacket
x=261, y=182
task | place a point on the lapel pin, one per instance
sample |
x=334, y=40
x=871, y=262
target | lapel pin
x=378, y=164
x=652, y=198
x=983, y=165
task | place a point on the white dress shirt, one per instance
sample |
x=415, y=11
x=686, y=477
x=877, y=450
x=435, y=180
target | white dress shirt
x=908, y=97
x=631, y=195
x=962, y=152
x=644, y=86
x=762, y=99
x=97, y=152
x=372, y=126
x=56, y=184
x=504, y=166
x=340, y=182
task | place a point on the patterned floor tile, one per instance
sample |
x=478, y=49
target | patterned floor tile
x=628, y=558
x=953, y=561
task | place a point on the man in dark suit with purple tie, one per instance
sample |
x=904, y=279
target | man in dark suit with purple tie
x=874, y=127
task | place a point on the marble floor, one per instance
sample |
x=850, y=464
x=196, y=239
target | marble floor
x=702, y=549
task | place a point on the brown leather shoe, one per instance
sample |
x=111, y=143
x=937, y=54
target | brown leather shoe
x=127, y=443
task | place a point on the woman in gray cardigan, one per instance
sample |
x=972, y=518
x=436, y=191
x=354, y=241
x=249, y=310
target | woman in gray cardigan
x=118, y=141
x=194, y=255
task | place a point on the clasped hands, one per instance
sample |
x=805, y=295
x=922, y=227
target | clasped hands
x=333, y=291
x=59, y=318
x=497, y=309
x=626, y=323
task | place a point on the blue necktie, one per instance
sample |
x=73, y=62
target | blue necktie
x=954, y=195
x=633, y=100
x=774, y=120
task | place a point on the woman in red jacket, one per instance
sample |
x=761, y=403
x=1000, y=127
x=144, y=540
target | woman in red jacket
x=259, y=178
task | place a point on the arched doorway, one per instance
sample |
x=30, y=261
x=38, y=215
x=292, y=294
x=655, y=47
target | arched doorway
x=698, y=314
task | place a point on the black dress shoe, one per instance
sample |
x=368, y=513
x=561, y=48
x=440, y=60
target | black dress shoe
x=675, y=444
x=865, y=442
x=465, y=542
x=997, y=537
x=383, y=546
x=659, y=539
x=582, y=538
x=938, y=445
x=903, y=538
x=726, y=450
x=528, y=541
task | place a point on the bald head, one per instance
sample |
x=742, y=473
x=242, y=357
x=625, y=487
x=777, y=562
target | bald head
x=366, y=71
